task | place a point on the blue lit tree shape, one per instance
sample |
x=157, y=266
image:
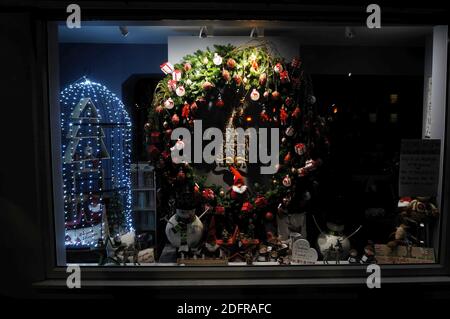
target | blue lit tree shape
x=96, y=150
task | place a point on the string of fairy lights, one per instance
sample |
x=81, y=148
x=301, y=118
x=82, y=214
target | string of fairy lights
x=96, y=150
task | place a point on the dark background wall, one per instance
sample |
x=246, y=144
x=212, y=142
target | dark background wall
x=109, y=64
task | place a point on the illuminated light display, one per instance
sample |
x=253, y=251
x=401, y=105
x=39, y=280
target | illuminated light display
x=96, y=152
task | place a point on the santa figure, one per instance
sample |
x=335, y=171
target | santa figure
x=239, y=188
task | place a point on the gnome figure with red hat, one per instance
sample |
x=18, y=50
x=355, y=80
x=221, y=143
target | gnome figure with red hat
x=239, y=189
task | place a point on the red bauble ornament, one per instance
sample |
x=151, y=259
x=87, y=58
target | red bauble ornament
x=155, y=137
x=186, y=110
x=207, y=86
x=300, y=148
x=284, y=76
x=278, y=68
x=246, y=207
x=226, y=75
x=219, y=210
x=220, y=103
x=287, y=181
x=237, y=79
x=261, y=201
x=269, y=216
x=175, y=119
x=208, y=194
x=194, y=107
x=159, y=109
x=187, y=66
x=153, y=151
x=263, y=115
x=231, y=63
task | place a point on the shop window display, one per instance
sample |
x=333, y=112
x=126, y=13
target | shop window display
x=240, y=156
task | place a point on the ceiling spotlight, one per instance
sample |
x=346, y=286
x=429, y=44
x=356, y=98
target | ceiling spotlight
x=124, y=30
x=257, y=32
x=203, y=32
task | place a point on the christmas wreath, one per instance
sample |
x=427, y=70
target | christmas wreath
x=253, y=87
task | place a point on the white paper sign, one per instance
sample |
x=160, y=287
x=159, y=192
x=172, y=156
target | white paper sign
x=302, y=253
x=419, y=167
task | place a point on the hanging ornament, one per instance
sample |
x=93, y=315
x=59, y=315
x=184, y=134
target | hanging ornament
x=185, y=111
x=254, y=95
x=175, y=119
x=176, y=75
x=269, y=216
x=155, y=137
x=207, y=86
x=159, y=109
x=217, y=59
x=237, y=78
x=262, y=79
x=283, y=116
x=167, y=67
x=166, y=124
x=208, y=194
x=261, y=201
x=264, y=116
x=287, y=181
x=311, y=99
x=287, y=158
x=300, y=148
x=290, y=131
x=172, y=85
x=169, y=104
x=246, y=207
x=187, y=67
x=219, y=210
x=220, y=103
x=254, y=66
x=275, y=95
x=226, y=75
x=153, y=151
x=194, y=107
x=278, y=68
x=231, y=63
x=180, y=91
x=147, y=127
x=296, y=112
x=205, y=60
x=284, y=76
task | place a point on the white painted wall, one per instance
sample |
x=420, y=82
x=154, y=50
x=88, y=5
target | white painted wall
x=179, y=46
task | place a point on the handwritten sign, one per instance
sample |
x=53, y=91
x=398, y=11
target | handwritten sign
x=419, y=167
x=302, y=253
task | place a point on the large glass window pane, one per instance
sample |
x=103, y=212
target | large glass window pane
x=250, y=143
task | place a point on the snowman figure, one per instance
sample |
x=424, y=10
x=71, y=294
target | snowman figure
x=184, y=230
